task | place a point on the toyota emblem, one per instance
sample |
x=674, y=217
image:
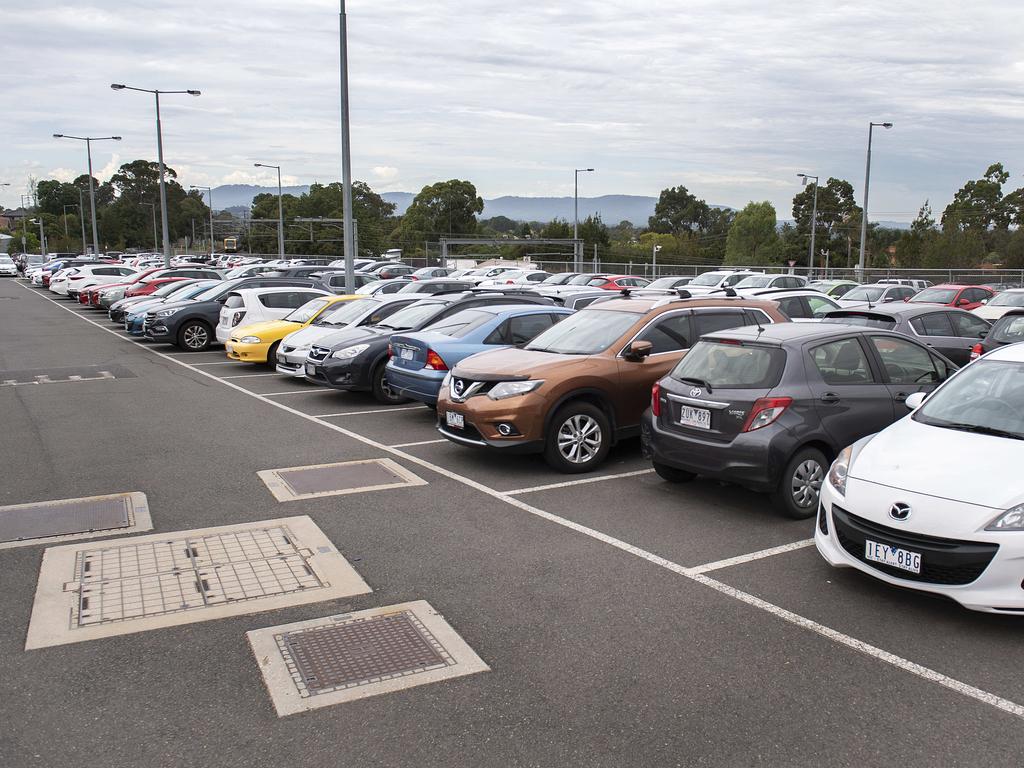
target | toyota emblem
x=899, y=511
x=696, y=392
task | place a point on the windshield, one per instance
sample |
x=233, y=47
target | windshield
x=556, y=279
x=348, y=312
x=666, y=282
x=461, y=323
x=413, y=316
x=212, y=292
x=731, y=366
x=6, y=260
x=191, y=291
x=1008, y=299
x=169, y=288
x=1008, y=330
x=987, y=397
x=868, y=321
x=581, y=279
x=935, y=296
x=307, y=311
x=865, y=293
x=707, y=279
x=587, y=332
x=755, y=281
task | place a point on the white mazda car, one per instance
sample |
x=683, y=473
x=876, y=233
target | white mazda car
x=933, y=502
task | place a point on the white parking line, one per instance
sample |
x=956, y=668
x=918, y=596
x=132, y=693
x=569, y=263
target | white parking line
x=360, y=413
x=1004, y=705
x=740, y=559
x=268, y=394
x=421, y=442
x=250, y=375
x=221, y=362
x=585, y=480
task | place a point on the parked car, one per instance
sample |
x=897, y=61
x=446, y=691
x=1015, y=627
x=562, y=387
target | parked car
x=168, y=290
x=354, y=359
x=87, y=276
x=715, y=280
x=1000, y=304
x=924, y=504
x=375, y=265
x=393, y=285
x=834, y=288
x=517, y=277
x=950, y=332
x=571, y=285
x=960, y=296
x=7, y=266
x=357, y=264
x=877, y=293
x=798, y=303
x=418, y=362
x=425, y=273
x=435, y=285
x=771, y=281
x=255, y=305
x=560, y=279
x=361, y=311
x=391, y=271
x=617, y=282
x=917, y=285
x=308, y=270
x=486, y=273
x=104, y=297
x=336, y=282
x=769, y=409
x=1008, y=329
x=668, y=283
x=582, y=385
x=133, y=316
x=258, y=342
x=583, y=297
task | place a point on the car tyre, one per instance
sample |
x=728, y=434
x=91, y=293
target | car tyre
x=673, y=474
x=195, y=336
x=578, y=438
x=800, y=485
x=382, y=393
x=272, y=354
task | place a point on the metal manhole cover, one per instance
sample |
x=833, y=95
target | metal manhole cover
x=50, y=521
x=335, y=659
x=167, y=579
x=336, y=479
x=76, y=373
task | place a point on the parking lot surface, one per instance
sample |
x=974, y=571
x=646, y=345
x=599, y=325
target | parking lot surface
x=622, y=620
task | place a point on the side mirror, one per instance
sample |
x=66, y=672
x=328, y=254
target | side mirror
x=914, y=401
x=637, y=351
x=984, y=301
x=961, y=302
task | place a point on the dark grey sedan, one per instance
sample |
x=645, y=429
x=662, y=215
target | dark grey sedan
x=949, y=331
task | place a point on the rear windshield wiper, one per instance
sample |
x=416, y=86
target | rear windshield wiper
x=694, y=380
x=981, y=430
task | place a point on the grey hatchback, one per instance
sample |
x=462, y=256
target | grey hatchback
x=769, y=408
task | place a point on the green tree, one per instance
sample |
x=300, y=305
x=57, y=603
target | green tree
x=910, y=248
x=753, y=239
x=835, y=231
x=678, y=211
x=444, y=208
x=978, y=205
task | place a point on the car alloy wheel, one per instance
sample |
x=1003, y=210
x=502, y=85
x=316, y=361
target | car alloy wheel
x=195, y=337
x=579, y=438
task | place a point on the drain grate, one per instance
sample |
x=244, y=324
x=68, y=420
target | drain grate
x=168, y=579
x=58, y=375
x=64, y=519
x=336, y=659
x=337, y=479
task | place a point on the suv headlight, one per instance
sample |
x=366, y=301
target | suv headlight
x=506, y=389
x=166, y=312
x=349, y=352
x=1010, y=520
x=837, y=473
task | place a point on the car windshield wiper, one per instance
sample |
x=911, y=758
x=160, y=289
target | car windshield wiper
x=695, y=380
x=979, y=429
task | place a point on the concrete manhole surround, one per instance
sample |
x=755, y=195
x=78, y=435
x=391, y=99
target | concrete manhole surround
x=54, y=522
x=101, y=589
x=337, y=479
x=336, y=659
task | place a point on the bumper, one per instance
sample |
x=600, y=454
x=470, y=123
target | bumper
x=134, y=325
x=222, y=333
x=349, y=375
x=292, y=363
x=481, y=418
x=247, y=353
x=159, y=332
x=753, y=460
x=417, y=385
x=996, y=590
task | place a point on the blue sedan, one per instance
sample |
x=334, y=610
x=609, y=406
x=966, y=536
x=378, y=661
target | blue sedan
x=419, y=361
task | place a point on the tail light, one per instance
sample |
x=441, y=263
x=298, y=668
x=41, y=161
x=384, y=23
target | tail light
x=434, y=361
x=765, y=411
x=656, y=399
x=977, y=351
x=390, y=351
x=237, y=317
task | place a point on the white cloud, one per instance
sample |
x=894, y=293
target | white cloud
x=63, y=174
x=384, y=172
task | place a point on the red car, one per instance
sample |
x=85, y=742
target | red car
x=952, y=295
x=148, y=286
x=91, y=296
x=617, y=282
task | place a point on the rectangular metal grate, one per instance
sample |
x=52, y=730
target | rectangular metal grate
x=346, y=477
x=23, y=522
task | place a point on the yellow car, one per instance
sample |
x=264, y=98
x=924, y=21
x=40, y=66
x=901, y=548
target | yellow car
x=258, y=342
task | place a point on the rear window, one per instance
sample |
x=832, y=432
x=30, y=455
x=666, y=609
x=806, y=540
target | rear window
x=861, y=319
x=1009, y=330
x=461, y=323
x=732, y=366
x=935, y=296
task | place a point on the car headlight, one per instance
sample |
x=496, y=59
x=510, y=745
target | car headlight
x=506, y=389
x=349, y=352
x=1010, y=520
x=167, y=312
x=250, y=339
x=837, y=473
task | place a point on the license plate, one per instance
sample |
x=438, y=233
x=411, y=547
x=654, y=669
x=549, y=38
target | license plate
x=695, y=417
x=894, y=556
x=456, y=420
x=405, y=353
x=228, y=348
x=310, y=369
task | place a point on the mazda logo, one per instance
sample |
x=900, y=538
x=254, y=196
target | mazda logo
x=696, y=392
x=899, y=511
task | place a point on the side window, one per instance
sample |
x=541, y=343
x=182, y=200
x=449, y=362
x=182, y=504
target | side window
x=233, y=301
x=819, y=305
x=709, y=322
x=522, y=329
x=968, y=326
x=945, y=369
x=793, y=306
x=975, y=294
x=904, y=361
x=842, y=362
x=906, y=293
x=933, y=324
x=297, y=299
x=669, y=334
x=272, y=300
x=757, y=317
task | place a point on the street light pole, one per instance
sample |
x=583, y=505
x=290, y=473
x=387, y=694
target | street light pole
x=92, y=190
x=576, y=260
x=654, y=262
x=280, y=209
x=160, y=158
x=864, y=213
x=156, y=243
x=81, y=216
x=814, y=222
x=42, y=236
x=346, y=154
x=209, y=191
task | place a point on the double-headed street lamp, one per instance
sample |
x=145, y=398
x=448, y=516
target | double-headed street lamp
x=209, y=191
x=864, y=213
x=92, y=191
x=576, y=216
x=814, y=222
x=160, y=158
x=280, y=210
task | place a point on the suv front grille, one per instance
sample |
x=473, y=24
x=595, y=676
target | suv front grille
x=319, y=353
x=462, y=389
x=943, y=561
x=148, y=322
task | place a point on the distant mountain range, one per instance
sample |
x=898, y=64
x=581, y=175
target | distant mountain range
x=612, y=208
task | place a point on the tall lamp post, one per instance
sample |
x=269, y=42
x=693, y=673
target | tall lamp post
x=209, y=191
x=156, y=243
x=654, y=262
x=92, y=190
x=349, y=250
x=160, y=158
x=576, y=216
x=280, y=210
x=864, y=213
x=814, y=221
x=42, y=236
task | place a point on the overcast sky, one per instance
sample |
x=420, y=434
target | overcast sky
x=730, y=98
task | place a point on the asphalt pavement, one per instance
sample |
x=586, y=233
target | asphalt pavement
x=626, y=621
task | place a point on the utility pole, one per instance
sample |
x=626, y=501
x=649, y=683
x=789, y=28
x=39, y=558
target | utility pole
x=346, y=155
x=814, y=222
x=864, y=213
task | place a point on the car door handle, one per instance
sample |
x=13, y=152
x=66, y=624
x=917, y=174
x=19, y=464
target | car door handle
x=829, y=398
